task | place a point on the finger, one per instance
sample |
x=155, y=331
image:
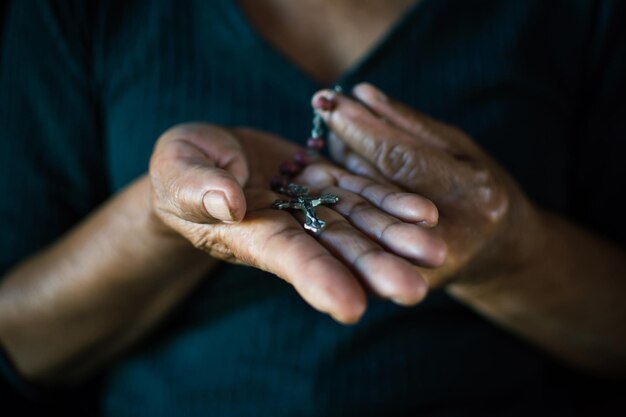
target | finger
x=409, y=207
x=408, y=240
x=405, y=206
x=217, y=144
x=197, y=175
x=386, y=274
x=411, y=121
x=352, y=161
x=265, y=153
x=274, y=241
x=399, y=156
x=398, y=114
x=337, y=149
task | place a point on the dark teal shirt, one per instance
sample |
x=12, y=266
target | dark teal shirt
x=87, y=87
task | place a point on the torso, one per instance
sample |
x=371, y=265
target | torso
x=324, y=38
x=510, y=73
x=245, y=343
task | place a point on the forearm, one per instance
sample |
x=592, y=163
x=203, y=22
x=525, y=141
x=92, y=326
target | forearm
x=568, y=298
x=535, y=274
x=93, y=292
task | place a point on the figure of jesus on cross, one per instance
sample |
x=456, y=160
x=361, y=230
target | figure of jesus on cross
x=307, y=203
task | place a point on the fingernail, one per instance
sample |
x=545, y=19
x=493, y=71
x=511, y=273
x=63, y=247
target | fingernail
x=402, y=302
x=367, y=92
x=426, y=223
x=355, y=165
x=278, y=182
x=324, y=100
x=216, y=205
x=422, y=290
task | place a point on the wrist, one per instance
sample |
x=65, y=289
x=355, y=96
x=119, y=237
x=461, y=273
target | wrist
x=156, y=229
x=515, y=251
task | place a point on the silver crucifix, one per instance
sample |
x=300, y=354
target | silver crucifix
x=307, y=203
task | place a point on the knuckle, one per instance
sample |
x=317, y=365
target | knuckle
x=200, y=239
x=360, y=261
x=209, y=240
x=337, y=225
x=387, y=196
x=358, y=207
x=493, y=199
x=495, y=204
x=387, y=228
x=400, y=162
x=201, y=236
x=389, y=156
x=222, y=252
x=483, y=177
x=418, y=125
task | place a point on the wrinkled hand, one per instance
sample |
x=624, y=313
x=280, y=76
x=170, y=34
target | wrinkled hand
x=481, y=209
x=210, y=185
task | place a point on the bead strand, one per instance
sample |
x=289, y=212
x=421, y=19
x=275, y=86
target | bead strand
x=315, y=143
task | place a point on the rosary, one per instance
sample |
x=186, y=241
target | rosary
x=302, y=200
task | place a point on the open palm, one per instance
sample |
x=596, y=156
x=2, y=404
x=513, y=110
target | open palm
x=211, y=186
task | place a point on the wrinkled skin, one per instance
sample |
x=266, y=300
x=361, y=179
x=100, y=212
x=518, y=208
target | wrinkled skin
x=481, y=209
x=210, y=185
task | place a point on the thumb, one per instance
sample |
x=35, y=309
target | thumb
x=197, y=172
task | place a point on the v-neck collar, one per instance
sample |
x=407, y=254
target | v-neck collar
x=249, y=33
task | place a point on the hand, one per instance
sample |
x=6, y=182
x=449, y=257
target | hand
x=528, y=270
x=480, y=207
x=211, y=186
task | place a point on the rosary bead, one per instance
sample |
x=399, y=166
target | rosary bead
x=279, y=181
x=289, y=168
x=302, y=158
x=315, y=143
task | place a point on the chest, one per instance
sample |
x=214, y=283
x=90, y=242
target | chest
x=491, y=75
x=324, y=38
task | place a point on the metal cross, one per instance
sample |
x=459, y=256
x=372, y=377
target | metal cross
x=307, y=203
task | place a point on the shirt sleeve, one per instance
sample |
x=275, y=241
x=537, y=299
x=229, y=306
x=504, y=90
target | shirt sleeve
x=599, y=174
x=51, y=154
x=14, y=389
x=25, y=399
x=52, y=159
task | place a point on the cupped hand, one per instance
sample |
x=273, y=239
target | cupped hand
x=482, y=212
x=211, y=185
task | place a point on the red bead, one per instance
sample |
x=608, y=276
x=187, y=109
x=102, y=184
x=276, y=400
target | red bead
x=278, y=182
x=315, y=143
x=302, y=159
x=289, y=168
